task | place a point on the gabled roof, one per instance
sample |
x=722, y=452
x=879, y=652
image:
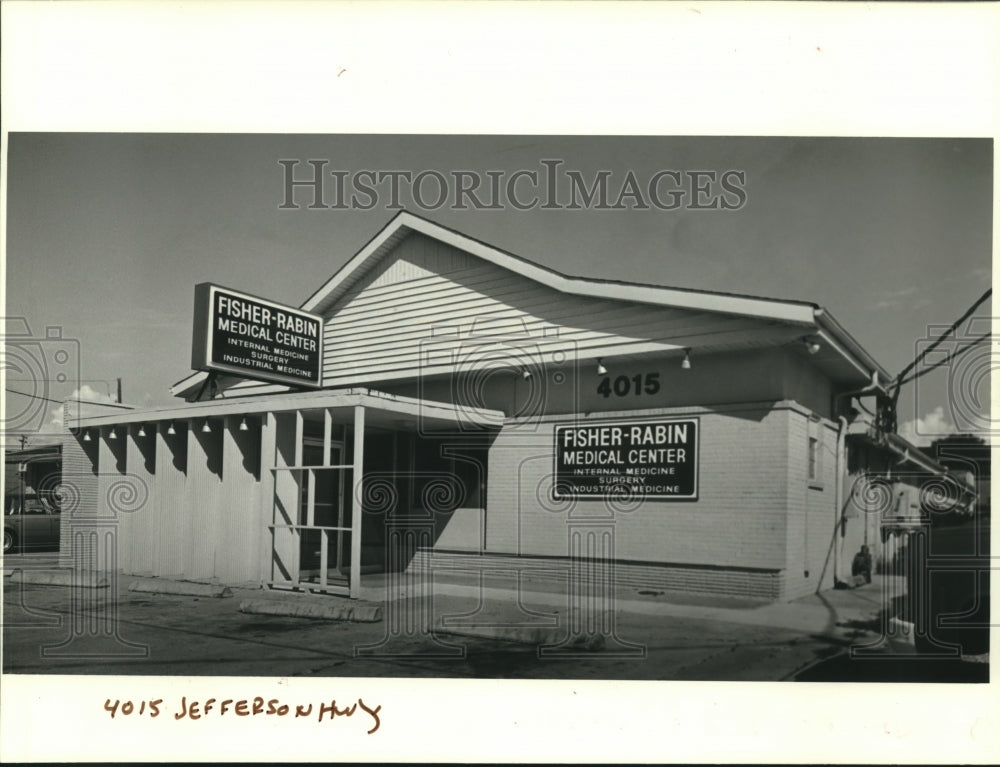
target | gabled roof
x=404, y=223
x=811, y=317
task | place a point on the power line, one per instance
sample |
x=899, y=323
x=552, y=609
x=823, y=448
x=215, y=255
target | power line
x=947, y=359
x=34, y=396
x=937, y=342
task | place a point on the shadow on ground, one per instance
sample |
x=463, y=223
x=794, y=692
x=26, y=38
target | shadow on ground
x=899, y=668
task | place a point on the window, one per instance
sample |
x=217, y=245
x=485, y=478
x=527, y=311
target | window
x=813, y=458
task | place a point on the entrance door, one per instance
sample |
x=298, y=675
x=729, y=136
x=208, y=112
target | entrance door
x=323, y=514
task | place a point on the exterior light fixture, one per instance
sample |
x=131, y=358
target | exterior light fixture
x=686, y=362
x=86, y=435
x=243, y=424
x=811, y=346
x=601, y=370
x=171, y=430
x=142, y=430
x=112, y=435
x=206, y=429
x=526, y=374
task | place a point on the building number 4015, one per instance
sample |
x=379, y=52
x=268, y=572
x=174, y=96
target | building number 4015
x=623, y=385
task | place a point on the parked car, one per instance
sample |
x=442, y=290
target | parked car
x=30, y=526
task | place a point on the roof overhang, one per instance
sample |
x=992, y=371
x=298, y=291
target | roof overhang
x=429, y=413
x=912, y=456
x=850, y=361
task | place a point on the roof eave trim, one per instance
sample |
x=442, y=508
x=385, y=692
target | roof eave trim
x=915, y=455
x=849, y=348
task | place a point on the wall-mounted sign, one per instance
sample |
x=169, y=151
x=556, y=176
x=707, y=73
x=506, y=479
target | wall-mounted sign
x=649, y=459
x=254, y=338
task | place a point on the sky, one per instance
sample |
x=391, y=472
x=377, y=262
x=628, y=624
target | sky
x=107, y=235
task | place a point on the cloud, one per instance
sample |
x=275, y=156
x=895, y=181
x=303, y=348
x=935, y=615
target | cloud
x=892, y=299
x=88, y=394
x=56, y=418
x=85, y=393
x=923, y=431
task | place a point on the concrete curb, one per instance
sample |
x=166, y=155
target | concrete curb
x=528, y=635
x=182, y=588
x=785, y=615
x=330, y=612
x=84, y=580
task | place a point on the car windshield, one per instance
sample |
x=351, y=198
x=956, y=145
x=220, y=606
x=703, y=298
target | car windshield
x=32, y=504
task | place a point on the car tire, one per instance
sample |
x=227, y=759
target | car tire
x=9, y=541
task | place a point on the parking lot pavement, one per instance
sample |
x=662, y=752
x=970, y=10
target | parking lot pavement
x=652, y=636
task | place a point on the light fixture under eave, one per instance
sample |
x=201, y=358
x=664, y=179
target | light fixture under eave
x=811, y=346
x=142, y=431
x=526, y=374
x=601, y=370
x=206, y=429
x=86, y=435
x=112, y=435
x=171, y=430
x=686, y=362
x=243, y=424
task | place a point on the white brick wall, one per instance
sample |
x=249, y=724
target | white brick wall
x=739, y=520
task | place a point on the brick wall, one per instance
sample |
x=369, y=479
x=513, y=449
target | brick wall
x=812, y=512
x=766, y=584
x=738, y=521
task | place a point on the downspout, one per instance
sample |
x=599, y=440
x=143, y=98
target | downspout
x=838, y=492
x=841, y=462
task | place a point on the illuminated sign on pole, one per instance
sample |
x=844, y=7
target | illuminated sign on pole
x=246, y=336
x=638, y=459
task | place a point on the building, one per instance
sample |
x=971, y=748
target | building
x=474, y=410
x=32, y=472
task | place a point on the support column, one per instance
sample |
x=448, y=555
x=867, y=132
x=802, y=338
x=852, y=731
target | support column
x=170, y=492
x=239, y=532
x=283, y=553
x=204, y=489
x=357, y=495
x=265, y=508
x=138, y=542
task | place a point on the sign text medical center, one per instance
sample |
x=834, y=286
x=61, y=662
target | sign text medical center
x=649, y=459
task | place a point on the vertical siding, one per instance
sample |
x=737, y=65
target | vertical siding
x=79, y=481
x=239, y=528
x=203, y=497
x=138, y=541
x=111, y=468
x=170, y=498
